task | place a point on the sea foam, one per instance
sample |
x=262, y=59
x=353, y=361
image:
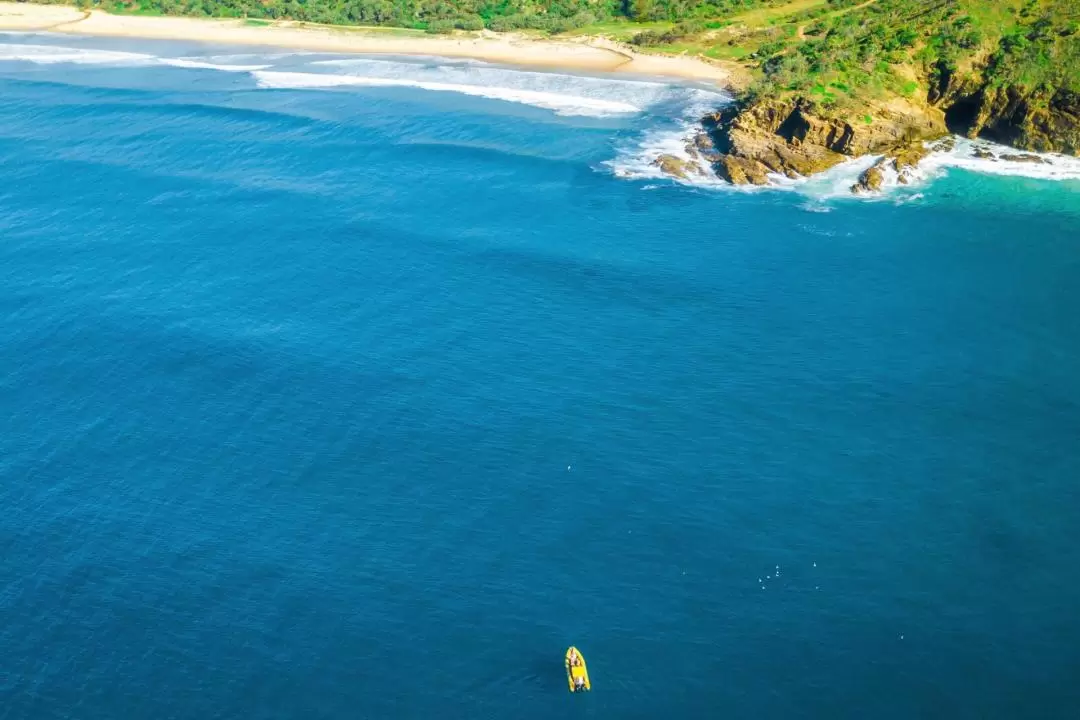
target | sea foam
x=638, y=160
x=561, y=93
x=196, y=64
x=565, y=94
x=55, y=54
x=636, y=157
x=561, y=104
x=954, y=153
x=962, y=155
x=52, y=54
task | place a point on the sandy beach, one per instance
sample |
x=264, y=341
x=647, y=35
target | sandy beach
x=589, y=54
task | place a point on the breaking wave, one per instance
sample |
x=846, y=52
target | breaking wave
x=564, y=94
x=636, y=158
x=639, y=159
x=52, y=55
x=561, y=93
x=954, y=153
x=55, y=55
x=203, y=65
x=986, y=157
x=561, y=104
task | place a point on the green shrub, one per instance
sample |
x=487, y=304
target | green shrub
x=473, y=23
x=440, y=27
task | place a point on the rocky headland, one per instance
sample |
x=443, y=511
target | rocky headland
x=938, y=71
x=797, y=137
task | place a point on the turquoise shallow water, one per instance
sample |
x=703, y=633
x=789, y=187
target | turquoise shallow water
x=367, y=402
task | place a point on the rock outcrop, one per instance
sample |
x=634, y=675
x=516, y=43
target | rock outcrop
x=797, y=138
x=902, y=162
x=871, y=180
x=1025, y=158
x=674, y=166
x=700, y=155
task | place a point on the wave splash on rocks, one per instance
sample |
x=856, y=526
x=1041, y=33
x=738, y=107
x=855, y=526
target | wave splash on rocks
x=791, y=148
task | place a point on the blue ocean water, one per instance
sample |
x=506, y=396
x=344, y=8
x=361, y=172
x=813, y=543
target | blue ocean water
x=364, y=396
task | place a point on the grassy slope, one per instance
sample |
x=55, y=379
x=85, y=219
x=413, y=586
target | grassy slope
x=840, y=51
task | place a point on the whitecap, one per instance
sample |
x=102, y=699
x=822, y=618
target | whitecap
x=52, y=54
x=561, y=104
x=197, y=64
x=1049, y=166
x=957, y=153
x=562, y=92
x=636, y=158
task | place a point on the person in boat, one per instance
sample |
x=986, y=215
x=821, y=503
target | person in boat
x=579, y=682
x=575, y=659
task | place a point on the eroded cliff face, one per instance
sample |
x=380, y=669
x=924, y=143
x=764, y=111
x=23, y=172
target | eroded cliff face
x=798, y=138
x=1042, y=120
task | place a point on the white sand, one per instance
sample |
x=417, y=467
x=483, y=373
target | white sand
x=592, y=54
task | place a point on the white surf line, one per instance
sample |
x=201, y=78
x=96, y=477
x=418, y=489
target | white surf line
x=558, y=102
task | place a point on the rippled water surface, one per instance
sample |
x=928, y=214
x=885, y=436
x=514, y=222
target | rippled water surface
x=360, y=388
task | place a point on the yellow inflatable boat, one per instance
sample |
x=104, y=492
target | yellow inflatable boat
x=577, y=675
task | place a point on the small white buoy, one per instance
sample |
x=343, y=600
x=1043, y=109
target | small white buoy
x=816, y=587
x=901, y=637
x=567, y=468
x=815, y=564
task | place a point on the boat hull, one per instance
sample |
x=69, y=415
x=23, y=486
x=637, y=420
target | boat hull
x=575, y=671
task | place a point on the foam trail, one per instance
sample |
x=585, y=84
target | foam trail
x=619, y=92
x=202, y=65
x=52, y=54
x=416, y=60
x=953, y=153
x=979, y=156
x=1042, y=166
x=638, y=158
x=560, y=103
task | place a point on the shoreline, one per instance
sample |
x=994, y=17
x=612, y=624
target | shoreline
x=590, y=54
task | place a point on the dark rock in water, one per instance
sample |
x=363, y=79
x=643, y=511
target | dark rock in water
x=903, y=161
x=742, y=171
x=983, y=154
x=674, y=166
x=701, y=146
x=906, y=161
x=1026, y=158
x=909, y=157
x=871, y=179
x=704, y=143
x=945, y=144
